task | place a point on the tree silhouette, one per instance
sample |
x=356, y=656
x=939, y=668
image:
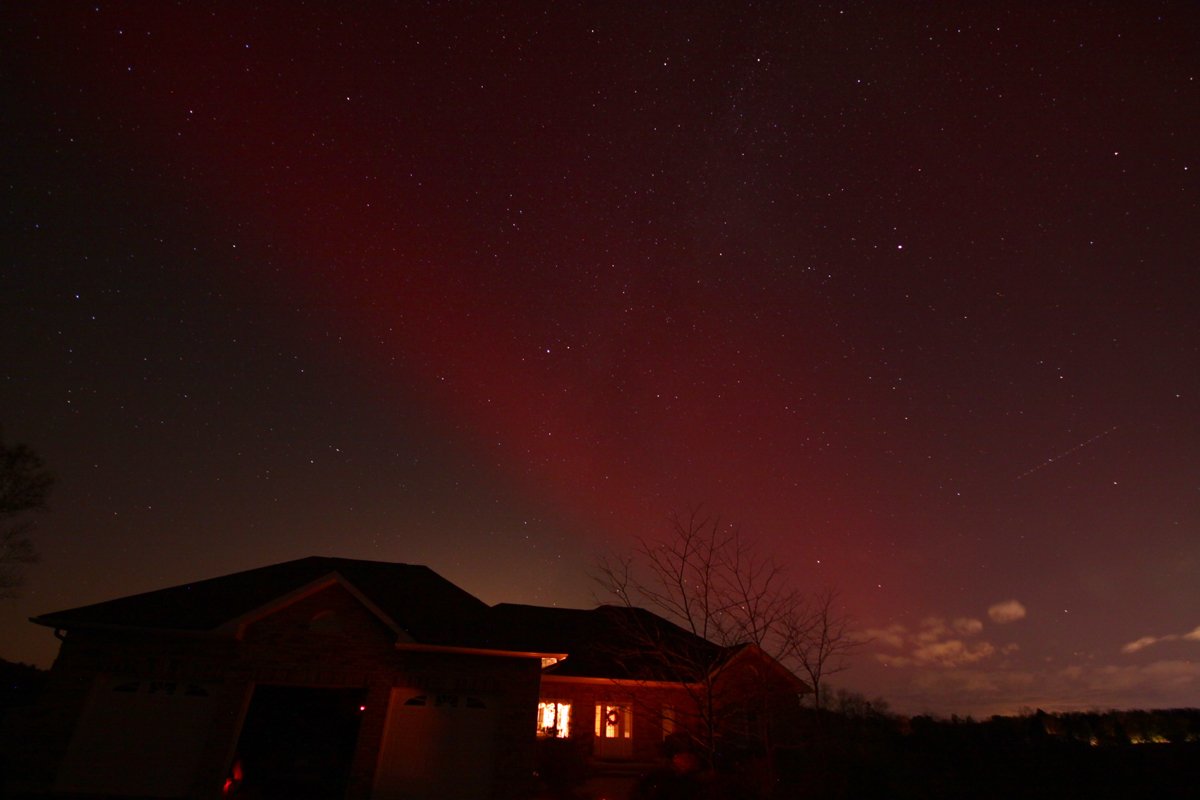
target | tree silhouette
x=709, y=579
x=822, y=642
x=24, y=486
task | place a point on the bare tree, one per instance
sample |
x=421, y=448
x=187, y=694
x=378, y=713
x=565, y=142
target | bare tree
x=822, y=641
x=709, y=579
x=24, y=485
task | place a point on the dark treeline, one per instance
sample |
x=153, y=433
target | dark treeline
x=19, y=685
x=858, y=750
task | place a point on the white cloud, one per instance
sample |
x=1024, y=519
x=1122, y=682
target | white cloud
x=1141, y=644
x=1008, y=611
x=937, y=642
x=889, y=660
x=892, y=635
x=953, y=653
x=932, y=629
x=1146, y=641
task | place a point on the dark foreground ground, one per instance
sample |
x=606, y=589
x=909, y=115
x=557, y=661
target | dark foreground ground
x=1082, y=756
x=867, y=755
x=1090, y=756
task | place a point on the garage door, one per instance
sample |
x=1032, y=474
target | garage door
x=137, y=738
x=436, y=747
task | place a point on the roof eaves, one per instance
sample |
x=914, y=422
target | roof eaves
x=49, y=621
x=475, y=651
x=593, y=679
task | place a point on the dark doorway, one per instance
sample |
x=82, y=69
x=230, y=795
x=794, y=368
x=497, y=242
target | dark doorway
x=298, y=743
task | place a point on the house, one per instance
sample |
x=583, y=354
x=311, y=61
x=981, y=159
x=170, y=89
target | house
x=633, y=681
x=330, y=677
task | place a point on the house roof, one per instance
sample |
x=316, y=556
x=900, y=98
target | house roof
x=612, y=642
x=426, y=606
x=615, y=642
x=765, y=667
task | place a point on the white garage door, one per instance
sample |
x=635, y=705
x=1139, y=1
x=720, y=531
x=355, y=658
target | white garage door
x=436, y=747
x=137, y=738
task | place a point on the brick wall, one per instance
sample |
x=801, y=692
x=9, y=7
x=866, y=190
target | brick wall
x=327, y=639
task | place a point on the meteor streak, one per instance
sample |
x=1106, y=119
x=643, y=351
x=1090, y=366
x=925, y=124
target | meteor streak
x=1065, y=453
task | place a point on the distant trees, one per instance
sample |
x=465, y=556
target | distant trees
x=25, y=484
x=1136, y=726
x=856, y=705
x=709, y=579
x=859, y=751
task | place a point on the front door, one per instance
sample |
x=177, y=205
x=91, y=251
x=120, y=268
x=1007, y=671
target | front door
x=614, y=731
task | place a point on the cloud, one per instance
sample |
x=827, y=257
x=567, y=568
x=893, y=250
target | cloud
x=1147, y=641
x=1008, y=611
x=932, y=629
x=953, y=653
x=893, y=635
x=937, y=642
x=1143, y=643
x=894, y=661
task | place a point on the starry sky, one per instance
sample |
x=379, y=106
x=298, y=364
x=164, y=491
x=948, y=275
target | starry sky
x=907, y=294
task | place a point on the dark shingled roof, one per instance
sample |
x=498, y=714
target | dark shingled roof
x=604, y=642
x=428, y=607
x=608, y=642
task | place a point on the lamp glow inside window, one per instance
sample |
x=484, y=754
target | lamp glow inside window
x=669, y=721
x=554, y=719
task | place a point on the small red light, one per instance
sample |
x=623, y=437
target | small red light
x=362, y=708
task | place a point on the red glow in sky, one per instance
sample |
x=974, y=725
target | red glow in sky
x=907, y=296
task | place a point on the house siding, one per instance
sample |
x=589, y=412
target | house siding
x=193, y=692
x=283, y=648
x=646, y=700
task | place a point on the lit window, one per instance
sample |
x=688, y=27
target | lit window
x=554, y=719
x=669, y=721
x=549, y=661
x=614, y=722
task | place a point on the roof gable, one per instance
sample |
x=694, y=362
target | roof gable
x=236, y=627
x=408, y=598
x=749, y=662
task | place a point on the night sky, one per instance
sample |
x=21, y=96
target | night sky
x=910, y=295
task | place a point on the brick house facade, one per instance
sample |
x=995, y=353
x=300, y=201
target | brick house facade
x=321, y=677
